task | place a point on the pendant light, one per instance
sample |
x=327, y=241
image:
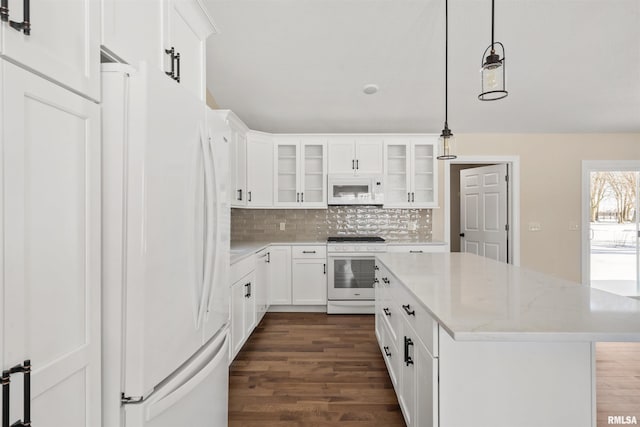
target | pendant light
x=445, y=143
x=493, y=68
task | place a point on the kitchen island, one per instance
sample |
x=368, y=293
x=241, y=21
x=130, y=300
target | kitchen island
x=472, y=342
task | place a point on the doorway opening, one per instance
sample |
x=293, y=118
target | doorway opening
x=482, y=206
x=611, y=226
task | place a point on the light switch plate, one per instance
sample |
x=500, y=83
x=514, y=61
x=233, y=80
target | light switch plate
x=535, y=226
x=282, y=226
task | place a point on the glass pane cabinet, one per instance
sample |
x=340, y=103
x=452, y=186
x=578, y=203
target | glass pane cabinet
x=410, y=172
x=301, y=169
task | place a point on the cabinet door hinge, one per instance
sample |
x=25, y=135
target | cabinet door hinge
x=506, y=227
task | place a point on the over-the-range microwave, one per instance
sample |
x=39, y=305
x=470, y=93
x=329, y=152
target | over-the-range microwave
x=355, y=190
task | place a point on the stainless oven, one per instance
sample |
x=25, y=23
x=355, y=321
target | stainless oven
x=351, y=274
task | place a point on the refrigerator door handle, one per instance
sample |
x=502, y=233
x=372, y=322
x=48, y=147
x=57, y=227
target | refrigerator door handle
x=165, y=400
x=215, y=223
x=206, y=282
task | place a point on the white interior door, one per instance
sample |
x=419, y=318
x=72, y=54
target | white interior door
x=483, y=211
x=64, y=43
x=51, y=248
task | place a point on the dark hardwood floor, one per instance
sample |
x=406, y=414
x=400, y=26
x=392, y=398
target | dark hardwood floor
x=312, y=370
x=315, y=370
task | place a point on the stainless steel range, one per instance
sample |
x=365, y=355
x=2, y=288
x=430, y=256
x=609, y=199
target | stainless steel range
x=351, y=262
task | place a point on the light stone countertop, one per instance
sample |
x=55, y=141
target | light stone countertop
x=477, y=299
x=241, y=250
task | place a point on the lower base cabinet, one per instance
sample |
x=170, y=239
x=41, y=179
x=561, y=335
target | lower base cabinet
x=309, y=281
x=243, y=312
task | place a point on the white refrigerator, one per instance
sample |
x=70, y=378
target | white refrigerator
x=165, y=216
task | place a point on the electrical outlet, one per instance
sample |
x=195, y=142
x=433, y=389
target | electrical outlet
x=535, y=226
x=282, y=226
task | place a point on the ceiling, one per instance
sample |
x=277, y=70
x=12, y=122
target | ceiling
x=300, y=65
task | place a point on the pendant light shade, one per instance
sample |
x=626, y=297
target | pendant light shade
x=493, y=68
x=445, y=143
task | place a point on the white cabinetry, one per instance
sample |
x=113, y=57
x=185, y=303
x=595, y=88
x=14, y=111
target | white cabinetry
x=168, y=34
x=259, y=170
x=280, y=275
x=300, y=173
x=237, y=157
x=408, y=338
x=243, y=312
x=349, y=156
x=50, y=286
x=309, y=273
x=410, y=172
x=62, y=41
x=262, y=283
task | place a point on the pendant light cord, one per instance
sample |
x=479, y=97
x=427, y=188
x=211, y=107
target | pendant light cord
x=493, y=14
x=446, y=63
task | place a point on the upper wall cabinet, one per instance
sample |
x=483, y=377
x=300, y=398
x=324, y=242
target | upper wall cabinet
x=169, y=34
x=238, y=159
x=410, y=178
x=259, y=170
x=59, y=39
x=359, y=156
x=300, y=173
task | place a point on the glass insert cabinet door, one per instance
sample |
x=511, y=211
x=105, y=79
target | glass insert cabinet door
x=287, y=170
x=423, y=169
x=396, y=186
x=313, y=185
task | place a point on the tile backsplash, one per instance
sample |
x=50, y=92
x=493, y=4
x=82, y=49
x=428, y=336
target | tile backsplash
x=407, y=225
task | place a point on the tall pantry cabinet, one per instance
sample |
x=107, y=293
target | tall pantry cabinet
x=50, y=212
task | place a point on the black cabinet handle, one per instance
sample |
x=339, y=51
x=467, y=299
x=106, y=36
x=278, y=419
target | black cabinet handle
x=298, y=197
x=375, y=280
x=239, y=195
x=386, y=311
x=172, y=54
x=413, y=195
x=248, y=287
x=415, y=252
x=324, y=268
x=248, y=196
x=357, y=164
x=461, y=234
x=376, y=268
x=308, y=252
x=25, y=25
x=302, y=197
x=353, y=164
x=386, y=351
x=407, y=359
x=268, y=257
x=25, y=369
x=4, y=15
x=407, y=309
x=409, y=197
x=177, y=77
x=385, y=280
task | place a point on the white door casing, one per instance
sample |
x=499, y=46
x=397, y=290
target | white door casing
x=483, y=211
x=51, y=247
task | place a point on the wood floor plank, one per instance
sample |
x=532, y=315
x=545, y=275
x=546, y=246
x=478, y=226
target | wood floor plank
x=312, y=369
x=316, y=370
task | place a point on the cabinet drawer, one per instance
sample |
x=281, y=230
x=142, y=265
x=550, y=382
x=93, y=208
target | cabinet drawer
x=309, y=251
x=419, y=249
x=390, y=354
x=241, y=268
x=418, y=318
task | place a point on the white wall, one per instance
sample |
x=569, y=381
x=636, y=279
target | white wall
x=550, y=176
